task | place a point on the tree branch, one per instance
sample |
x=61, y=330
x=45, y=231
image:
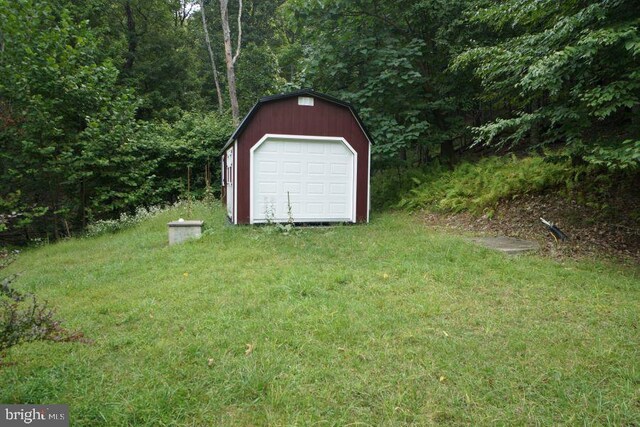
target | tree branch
x=235, y=57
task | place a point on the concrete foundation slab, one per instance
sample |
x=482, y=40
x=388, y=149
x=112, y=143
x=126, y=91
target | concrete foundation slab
x=508, y=245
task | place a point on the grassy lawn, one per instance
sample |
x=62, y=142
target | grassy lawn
x=389, y=323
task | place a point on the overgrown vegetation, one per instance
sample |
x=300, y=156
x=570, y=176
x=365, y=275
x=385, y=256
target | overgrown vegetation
x=390, y=323
x=477, y=187
x=124, y=221
x=24, y=319
x=389, y=186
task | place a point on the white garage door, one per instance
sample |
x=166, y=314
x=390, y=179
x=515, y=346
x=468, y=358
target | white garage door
x=313, y=179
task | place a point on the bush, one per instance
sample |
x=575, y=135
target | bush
x=478, y=187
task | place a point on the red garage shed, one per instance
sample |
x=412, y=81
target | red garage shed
x=302, y=155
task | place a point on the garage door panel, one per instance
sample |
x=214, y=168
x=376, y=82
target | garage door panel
x=315, y=189
x=268, y=188
x=267, y=167
x=338, y=169
x=338, y=149
x=315, y=178
x=338, y=188
x=315, y=168
x=315, y=208
x=292, y=147
x=292, y=167
x=337, y=208
x=269, y=149
x=292, y=188
x=316, y=149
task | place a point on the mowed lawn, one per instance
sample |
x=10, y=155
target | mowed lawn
x=390, y=323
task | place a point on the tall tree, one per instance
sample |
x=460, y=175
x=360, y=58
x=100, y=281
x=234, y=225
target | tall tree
x=66, y=146
x=214, y=69
x=231, y=58
x=569, y=73
x=391, y=60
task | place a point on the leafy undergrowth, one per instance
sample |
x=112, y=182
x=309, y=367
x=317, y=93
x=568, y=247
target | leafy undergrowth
x=478, y=187
x=390, y=323
x=508, y=195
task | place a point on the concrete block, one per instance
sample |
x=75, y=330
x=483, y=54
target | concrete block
x=182, y=230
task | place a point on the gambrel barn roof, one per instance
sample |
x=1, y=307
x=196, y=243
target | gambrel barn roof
x=301, y=92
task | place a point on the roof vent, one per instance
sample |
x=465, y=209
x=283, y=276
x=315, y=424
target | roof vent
x=305, y=100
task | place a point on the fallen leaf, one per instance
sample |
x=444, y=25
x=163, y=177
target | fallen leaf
x=249, y=349
x=442, y=378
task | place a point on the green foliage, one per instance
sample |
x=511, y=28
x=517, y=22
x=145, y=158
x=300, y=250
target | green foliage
x=104, y=104
x=258, y=71
x=71, y=149
x=66, y=126
x=625, y=156
x=478, y=187
x=390, y=60
x=388, y=186
x=568, y=71
x=192, y=142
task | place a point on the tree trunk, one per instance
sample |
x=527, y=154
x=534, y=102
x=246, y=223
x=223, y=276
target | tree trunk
x=635, y=116
x=230, y=59
x=132, y=37
x=211, y=57
x=447, y=154
x=534, y=133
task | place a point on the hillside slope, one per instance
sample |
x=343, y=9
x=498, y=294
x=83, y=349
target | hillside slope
x=600, y=212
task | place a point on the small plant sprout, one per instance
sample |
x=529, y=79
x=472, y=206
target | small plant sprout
x=289, y=210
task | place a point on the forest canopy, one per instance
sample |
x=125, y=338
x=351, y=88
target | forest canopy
x=108, y=105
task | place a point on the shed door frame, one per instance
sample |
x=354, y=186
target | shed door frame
x=267, y=136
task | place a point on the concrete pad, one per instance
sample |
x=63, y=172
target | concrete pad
x=508, y=245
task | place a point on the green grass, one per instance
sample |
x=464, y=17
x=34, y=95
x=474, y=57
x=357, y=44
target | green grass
x=389, y=323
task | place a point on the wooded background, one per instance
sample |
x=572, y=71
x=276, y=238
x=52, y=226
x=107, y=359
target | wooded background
x=108, y=105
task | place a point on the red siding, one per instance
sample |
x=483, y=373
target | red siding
x=285, y=116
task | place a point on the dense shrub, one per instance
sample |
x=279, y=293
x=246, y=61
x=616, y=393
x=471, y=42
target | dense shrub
x=389, y=185
x=157, y=163
x=185, y=150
